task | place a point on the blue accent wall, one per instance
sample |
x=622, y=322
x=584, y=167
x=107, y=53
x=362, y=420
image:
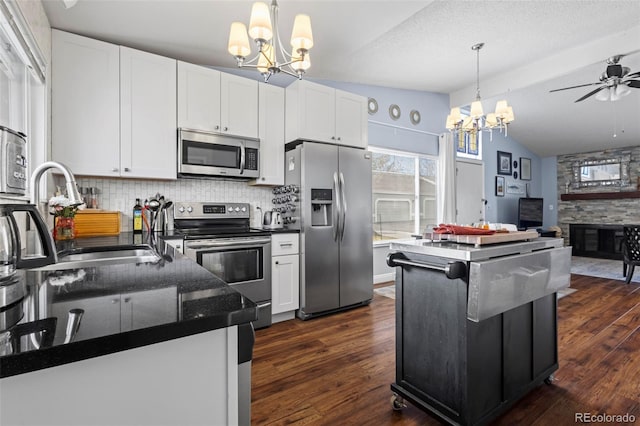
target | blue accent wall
x=549, y=174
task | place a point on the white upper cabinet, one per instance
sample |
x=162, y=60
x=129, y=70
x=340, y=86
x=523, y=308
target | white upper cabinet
x=271, y=133
x=217, y=102
x=85, y=105
x=239, y=105
x=198, y=97
x=320, y=113
x=113, y=109
x=147, y=115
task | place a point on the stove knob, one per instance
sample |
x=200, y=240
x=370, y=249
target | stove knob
x=230, y=209
x=181, y=209
x=190, y=209
x=244, y=209
x=237, y=209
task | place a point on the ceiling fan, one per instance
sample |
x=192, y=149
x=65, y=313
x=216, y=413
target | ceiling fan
x=614, y=82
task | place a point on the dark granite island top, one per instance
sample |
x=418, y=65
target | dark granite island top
x=125, y=306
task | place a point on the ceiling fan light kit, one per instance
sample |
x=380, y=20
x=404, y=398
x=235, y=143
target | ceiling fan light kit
x=272, y=58
x=615, y=82
x=477, y=121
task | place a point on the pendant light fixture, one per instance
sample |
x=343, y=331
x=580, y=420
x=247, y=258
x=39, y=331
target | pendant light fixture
x=272, y=58
x=477, y=121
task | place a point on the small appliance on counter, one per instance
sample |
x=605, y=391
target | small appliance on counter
x=13, y=157
x=12, y=286
x=272, y=220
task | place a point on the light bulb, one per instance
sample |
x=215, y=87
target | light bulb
x=238, y=40
x=301, y=36
x=603, y=95
x=476, y=109
x=260, y=23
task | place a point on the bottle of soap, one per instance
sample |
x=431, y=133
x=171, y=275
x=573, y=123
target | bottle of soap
x=137, y=217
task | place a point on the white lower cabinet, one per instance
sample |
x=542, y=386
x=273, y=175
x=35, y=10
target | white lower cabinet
x=285, y=276
x=116, y=313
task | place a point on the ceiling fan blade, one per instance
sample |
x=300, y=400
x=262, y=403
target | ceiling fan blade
x=634, y=74
x=575, y=87
x=591, y=93
x=633, y=83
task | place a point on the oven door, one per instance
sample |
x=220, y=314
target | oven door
x=243, y=263
x=202, y=153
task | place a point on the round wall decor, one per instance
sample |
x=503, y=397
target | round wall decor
x=372, y=106
x=515, y=175
x=515, y=164
x=394, y=111
x=414, y=116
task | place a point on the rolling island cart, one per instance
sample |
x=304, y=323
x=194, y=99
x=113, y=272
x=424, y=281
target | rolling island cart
x=476, y=325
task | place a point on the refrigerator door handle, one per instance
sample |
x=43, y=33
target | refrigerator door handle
x=344, y=207
x=336, y=211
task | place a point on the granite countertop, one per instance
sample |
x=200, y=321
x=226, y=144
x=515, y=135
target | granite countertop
x=125, y=306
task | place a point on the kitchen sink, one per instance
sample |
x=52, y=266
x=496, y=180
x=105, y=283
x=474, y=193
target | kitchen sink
x=100, y=256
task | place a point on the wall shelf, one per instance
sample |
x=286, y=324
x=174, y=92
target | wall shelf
x=600, y=195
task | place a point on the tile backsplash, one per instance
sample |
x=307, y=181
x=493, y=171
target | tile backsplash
x=121, y=194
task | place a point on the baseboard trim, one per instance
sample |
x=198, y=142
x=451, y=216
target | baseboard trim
x=382, y=278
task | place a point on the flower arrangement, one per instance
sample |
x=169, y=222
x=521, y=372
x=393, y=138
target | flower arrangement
x=64, y=212
x=60, y=206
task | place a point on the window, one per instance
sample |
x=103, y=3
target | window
x=404, y=193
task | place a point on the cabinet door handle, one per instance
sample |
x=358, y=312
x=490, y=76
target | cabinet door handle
x=127, y=300
x=277, y=263
x=286, y=244
x=217, y=127
x=126, y=169
x=333, y=138
x=339, y=138
x=225, y=129
x=114, y=301
x=115, y=169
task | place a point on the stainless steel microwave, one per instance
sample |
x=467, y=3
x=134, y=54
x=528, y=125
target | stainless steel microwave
x=203, y=153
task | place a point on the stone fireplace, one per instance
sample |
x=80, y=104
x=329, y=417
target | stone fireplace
x=597, y=212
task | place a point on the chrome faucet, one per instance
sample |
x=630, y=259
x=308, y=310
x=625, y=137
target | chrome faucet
x=72, y=189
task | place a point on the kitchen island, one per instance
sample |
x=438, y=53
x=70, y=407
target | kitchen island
x=475, y=326
x=156, y=343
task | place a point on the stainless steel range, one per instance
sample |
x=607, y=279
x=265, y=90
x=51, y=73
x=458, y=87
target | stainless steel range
x=218, y=237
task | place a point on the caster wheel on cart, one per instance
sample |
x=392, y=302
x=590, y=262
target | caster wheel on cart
x=397, y=403
x=549, y=380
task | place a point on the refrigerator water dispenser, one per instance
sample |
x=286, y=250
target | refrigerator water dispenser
x=321, y=207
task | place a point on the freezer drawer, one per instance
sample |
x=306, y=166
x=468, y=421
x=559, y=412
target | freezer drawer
x=500, y=284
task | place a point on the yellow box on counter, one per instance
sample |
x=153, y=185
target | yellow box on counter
x=96, y=223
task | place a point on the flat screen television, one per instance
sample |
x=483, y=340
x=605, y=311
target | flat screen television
x=530, y=213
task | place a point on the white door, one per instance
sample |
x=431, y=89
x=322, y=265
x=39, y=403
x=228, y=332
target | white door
x=317, y=112
x=271, y=133
x=285, y=273
x=469, y=192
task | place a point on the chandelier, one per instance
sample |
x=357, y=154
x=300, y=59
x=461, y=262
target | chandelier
x=272, y=58
x=476, y=121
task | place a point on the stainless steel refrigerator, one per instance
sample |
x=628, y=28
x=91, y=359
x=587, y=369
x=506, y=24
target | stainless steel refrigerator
x=333, y=213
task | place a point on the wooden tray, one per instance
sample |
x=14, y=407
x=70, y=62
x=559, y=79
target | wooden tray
x=503, y=237
x=96, y=223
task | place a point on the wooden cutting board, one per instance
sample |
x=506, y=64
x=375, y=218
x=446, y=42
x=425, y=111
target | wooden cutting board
x=503, y=237
x=96, y=223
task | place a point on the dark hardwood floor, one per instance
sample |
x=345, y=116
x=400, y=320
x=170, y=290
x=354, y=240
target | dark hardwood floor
x=336, y=370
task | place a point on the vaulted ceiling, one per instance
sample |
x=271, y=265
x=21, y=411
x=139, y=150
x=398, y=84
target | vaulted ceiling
x=530, y=48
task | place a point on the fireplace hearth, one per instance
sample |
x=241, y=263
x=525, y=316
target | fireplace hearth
x=593, y=240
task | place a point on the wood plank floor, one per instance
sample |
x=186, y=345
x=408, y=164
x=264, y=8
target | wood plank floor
x=336, y=370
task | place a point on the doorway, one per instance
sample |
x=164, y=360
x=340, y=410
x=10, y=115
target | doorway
x=469, y=192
